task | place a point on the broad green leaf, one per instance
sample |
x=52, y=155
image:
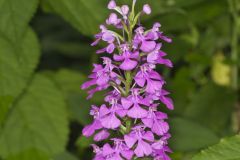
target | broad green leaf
x=65, y=156
x=29, y=154
x=84, y=15
x=37, y=121
x=227, y=149
x=5, y=102
x=15, y=16
x=17, y=63
x=70, y=81
x=189, y=135
x=212, y=106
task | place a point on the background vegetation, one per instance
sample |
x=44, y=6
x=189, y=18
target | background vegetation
x=45, y=55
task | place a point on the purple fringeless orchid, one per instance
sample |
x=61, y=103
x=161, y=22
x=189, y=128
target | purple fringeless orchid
x=135, y=89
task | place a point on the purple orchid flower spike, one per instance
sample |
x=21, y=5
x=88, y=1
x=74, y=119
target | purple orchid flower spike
x=135, y=89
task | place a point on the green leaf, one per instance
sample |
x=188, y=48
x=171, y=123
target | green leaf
x=84, y=15
x=15, y=16
x=189, y=135
x=37, y=121
x=70, y=81
x=212, y=106
x=29, y=154
x=65, y=156
x=17, y=63
x=227, y=149
x=5, y=102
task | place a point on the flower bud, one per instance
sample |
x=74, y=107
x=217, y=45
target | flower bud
x=112, y=4
x=125, y=9
x=112, y=19
x=147, y=9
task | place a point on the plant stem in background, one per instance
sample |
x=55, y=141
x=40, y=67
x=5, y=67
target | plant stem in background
x=234, y=42
x=233, y=4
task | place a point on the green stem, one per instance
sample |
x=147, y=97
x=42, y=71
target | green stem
x=234, y=43
x=128, y=76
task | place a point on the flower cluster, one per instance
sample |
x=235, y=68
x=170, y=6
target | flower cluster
x=130, y=119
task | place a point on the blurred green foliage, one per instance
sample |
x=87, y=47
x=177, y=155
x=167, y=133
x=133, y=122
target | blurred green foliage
x=45, y=55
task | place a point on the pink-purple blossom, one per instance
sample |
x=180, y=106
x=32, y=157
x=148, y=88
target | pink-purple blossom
x=135, y=89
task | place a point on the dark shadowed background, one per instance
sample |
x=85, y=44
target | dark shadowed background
x=45, y=55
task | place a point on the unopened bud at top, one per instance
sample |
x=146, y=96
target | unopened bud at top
x=112, y=4
x=147, y=9
x=113, y=19
x=125, y=9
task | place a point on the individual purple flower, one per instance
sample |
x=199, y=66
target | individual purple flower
x=125, y=10
x=142, y=138
x=90, y=129
x=118, y=151
x=146, y=45
x=111, y=95
x=160, y=148
x=133, y=104
x=155, y=121
x=147, y=9
x=106, y=36
x=113, y=20
x=155, y=34
x=156, y=57
x=128, y=59
x=98, y=152
x=109, y=118
x=101, y=76
x=151, y=78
